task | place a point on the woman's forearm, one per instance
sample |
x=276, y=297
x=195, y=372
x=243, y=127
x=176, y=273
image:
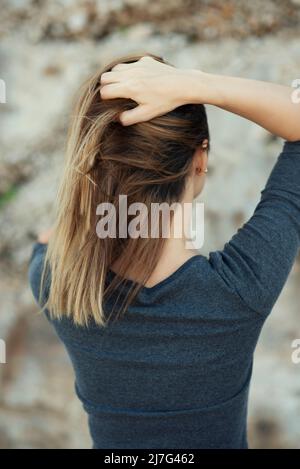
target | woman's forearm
x=158, y=88
x=269, y=105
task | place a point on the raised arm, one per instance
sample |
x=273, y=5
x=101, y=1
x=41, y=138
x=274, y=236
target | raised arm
x=158, y=88
x=256, y=261
x=269, y=105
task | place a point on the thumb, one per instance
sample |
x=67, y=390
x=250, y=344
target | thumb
x=133, y=116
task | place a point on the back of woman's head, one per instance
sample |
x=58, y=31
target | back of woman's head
x=148, y=162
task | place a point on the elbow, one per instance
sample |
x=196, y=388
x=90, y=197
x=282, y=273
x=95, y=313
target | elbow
x=293, y=136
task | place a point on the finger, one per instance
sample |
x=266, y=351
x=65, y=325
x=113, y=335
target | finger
x=127, y=66
x=115, y=77
x=133, y=116
x=122, y=67
x=110, y=77
x=113, y=90
x=146, y=58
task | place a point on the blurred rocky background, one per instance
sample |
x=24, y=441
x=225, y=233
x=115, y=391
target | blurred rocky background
x=46, y=49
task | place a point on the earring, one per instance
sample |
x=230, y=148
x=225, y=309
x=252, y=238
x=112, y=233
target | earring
x=199, y=171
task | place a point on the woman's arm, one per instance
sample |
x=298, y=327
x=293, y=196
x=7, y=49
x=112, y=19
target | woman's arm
x=158, y=88
x=268, y=104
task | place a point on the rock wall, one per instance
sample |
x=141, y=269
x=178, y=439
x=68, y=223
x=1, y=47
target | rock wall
x=46, y=50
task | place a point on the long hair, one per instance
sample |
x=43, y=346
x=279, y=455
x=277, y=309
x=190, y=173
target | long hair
x=148, y=162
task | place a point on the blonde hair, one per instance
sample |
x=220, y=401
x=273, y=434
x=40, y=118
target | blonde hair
x=148, y=161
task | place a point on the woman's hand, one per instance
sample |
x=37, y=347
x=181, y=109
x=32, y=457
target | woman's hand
x=44, y=236
x=157, y=88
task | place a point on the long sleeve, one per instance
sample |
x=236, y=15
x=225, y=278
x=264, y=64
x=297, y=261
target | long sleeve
x=257, y=260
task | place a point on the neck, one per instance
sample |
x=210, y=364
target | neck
x=175, y=251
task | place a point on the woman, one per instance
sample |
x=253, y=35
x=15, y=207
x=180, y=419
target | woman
x=161, y=337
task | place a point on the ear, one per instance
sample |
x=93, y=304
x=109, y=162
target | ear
x=200, y=160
